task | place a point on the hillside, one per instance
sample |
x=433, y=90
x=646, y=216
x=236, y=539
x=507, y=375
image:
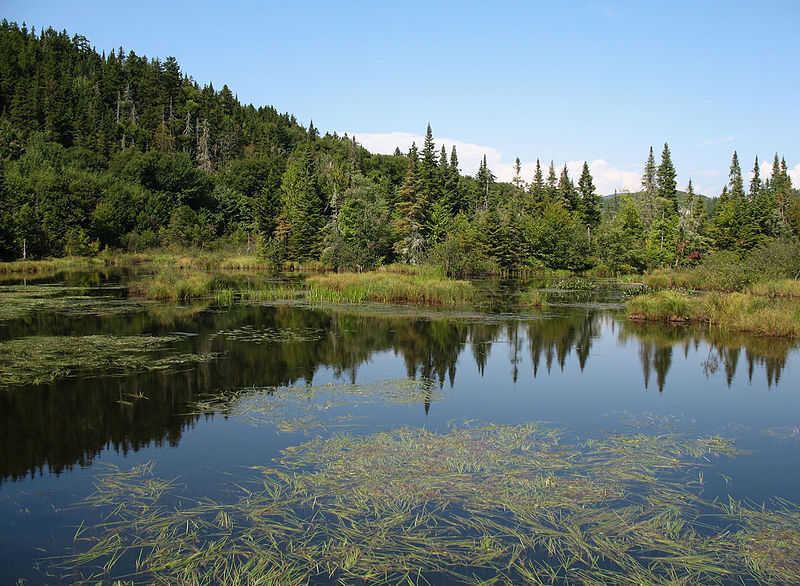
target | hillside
x=127, y=152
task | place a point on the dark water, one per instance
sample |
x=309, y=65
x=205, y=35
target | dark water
x=578, y=365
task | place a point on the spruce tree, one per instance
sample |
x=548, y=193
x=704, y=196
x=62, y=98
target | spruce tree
x=453, y=185
x=566, y=191
x=409, y=218
x=735, y=179
x=484, y=179
x=755, y=182
x=552, y=182
x=537, y=185
x=517, y=181
x=665, y=180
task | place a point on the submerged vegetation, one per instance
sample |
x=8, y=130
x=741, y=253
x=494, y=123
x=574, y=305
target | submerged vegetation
x=500, y=503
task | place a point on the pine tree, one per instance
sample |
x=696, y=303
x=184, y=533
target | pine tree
x=649, y=187
x=665, y=180
x=589, y=201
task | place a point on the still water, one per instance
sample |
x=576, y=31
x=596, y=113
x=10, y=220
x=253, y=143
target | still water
x=239, y=385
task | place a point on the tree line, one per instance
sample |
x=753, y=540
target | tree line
x=117, y=150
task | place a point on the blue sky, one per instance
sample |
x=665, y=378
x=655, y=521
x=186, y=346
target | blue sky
x=600, y=81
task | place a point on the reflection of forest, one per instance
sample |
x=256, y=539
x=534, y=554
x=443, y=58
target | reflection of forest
x=657, y=341
x=70, y=422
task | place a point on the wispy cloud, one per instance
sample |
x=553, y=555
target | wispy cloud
x=606, y=176
x=718, y=141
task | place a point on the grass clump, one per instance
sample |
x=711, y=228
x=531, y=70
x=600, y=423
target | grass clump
x=533, y=298
x=668, y=306
x=174, y=285
x=388, y=287
x=45, y=359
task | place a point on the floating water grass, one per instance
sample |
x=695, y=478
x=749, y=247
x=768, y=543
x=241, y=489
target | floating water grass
x=17, y=301
x=254, y=335
x=291, y=409
x=388, y=287
x=490, y=504
x=44, y=359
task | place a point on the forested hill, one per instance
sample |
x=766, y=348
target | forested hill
x=118, y=150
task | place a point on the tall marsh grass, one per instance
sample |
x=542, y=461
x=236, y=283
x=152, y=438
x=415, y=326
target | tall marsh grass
x=734, y=311
x=388, y=287
x=174, y=285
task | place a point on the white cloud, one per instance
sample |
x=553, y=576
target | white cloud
x=794, y=173
x=606, y=177
x=718, y=141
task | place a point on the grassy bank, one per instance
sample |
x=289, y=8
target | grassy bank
x=744, y=312
x=388, y=287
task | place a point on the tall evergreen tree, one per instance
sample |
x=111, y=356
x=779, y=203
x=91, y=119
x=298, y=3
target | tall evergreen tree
x=755, y=182
x=735, y=179
x=567, y=193
x=649, y=187
x=665, y=180
x=484, y=179
x=409, y=213
x=589, y=205
x=552, y=182
x=302, y=206
x=517, y=181
x=537, y=185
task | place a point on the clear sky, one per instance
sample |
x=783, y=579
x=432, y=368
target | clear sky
x=596, y=80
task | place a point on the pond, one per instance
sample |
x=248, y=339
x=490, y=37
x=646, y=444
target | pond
x=308, y=443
